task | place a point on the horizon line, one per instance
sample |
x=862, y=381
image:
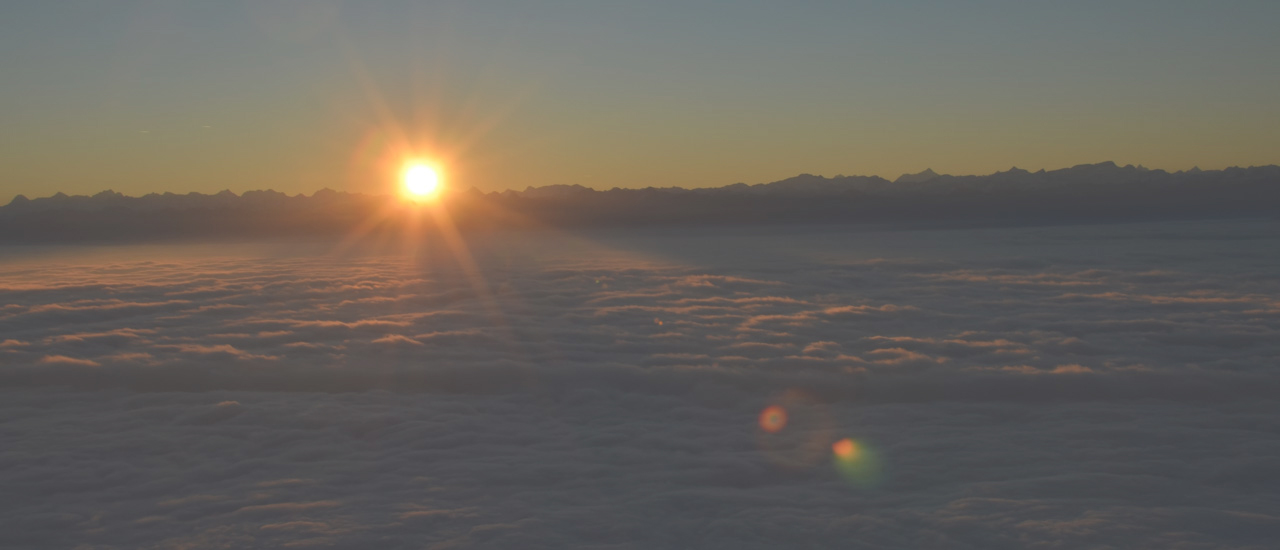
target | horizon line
x=472, y=188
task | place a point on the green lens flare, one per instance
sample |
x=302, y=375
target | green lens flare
x=857, y=463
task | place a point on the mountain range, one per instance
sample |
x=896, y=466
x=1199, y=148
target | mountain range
x=1083, y=193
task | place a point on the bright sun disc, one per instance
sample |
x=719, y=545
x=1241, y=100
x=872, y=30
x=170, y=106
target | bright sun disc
x=421, y=181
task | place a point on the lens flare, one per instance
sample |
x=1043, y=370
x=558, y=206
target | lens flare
x=773, y=419
x=845, y=449
x=857, y=463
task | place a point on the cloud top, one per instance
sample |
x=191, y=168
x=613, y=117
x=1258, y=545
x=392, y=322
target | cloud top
x=1079, y=386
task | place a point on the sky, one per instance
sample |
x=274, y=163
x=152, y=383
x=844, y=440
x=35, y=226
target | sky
x=152, y=96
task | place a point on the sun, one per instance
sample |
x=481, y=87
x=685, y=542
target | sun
x=420, y=181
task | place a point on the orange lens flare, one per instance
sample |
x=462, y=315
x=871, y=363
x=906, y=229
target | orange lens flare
x=773, y=419
x=857, y=463
x=845, y=449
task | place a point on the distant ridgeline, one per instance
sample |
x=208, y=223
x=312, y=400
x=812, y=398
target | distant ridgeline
x=1082, y=194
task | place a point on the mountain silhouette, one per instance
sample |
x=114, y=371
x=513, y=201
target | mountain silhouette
x=921, y=177
x=1085, y=193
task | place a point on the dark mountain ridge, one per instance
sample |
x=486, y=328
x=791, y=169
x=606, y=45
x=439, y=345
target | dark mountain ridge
x=1080, y=194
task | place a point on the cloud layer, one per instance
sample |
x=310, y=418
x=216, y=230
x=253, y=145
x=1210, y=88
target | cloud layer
x=1059, y=387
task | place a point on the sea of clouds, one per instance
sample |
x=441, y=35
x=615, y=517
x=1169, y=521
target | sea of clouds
x=1059, y=387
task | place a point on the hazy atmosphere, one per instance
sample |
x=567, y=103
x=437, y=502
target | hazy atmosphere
x=883, y=275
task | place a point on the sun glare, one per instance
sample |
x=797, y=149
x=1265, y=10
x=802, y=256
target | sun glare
x=420, y=181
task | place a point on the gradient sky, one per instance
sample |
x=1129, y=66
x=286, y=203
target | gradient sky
x=144, y=96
